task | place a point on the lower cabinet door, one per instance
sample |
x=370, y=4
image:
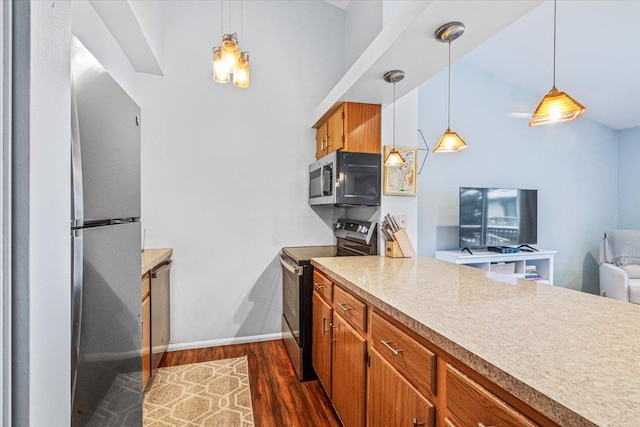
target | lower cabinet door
x=146, y=341
x=321, y=350
x=392, y=400
x=349, y=369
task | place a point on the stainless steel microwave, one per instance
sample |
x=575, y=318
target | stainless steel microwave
x=345, y=178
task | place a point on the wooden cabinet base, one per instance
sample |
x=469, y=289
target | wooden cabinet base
x=321, y=351
x=348, y=378
x=146, y=332
x=392, y=400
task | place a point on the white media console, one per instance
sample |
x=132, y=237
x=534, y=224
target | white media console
x=516, y=265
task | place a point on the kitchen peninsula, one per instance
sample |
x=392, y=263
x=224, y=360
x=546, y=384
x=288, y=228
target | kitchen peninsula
x=533, y=349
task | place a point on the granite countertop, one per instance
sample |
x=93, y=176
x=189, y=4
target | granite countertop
x=151, y=258
x=573, y=356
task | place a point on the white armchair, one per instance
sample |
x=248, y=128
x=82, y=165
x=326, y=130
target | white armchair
x=621, y=283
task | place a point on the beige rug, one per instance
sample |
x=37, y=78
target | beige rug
x=207, y=394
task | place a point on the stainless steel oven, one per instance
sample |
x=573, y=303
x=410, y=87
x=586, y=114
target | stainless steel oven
x=354, y=238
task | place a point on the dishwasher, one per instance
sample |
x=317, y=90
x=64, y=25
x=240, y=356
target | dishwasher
x=160, y=317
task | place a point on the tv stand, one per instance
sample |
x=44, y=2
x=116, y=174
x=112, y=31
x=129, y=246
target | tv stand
x=517, y=265
x=466, y=250
x=525, y=247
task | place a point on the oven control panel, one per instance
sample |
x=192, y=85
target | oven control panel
x=359, y=231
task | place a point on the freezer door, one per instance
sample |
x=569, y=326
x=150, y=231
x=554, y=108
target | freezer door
x=109, y=142
x=109, y=354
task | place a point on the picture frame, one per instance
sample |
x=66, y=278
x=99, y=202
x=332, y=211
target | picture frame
x=400, y=180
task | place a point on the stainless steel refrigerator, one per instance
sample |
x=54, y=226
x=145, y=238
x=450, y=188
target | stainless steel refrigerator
x=106, y=348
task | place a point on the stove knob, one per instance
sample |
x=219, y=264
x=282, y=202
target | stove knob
x=365, y=230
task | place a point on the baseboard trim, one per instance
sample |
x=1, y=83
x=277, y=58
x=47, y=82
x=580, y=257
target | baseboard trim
x=224, y=341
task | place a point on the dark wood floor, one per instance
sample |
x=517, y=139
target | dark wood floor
x=278, y=398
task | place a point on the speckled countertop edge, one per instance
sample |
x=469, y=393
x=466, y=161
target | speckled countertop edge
x=151, y=258
x=538, y=400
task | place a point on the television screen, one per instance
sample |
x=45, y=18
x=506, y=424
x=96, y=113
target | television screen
x=498, y=217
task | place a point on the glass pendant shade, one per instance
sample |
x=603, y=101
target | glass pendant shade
x=394, y=159
x=450, y=142
x=556, y=107
x=230, y=51
x=241, y=75
x=220, y=69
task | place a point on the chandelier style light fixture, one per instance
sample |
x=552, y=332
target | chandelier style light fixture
x=556, y=106
x=228, y=61
x=394, y=158
x=450, y=141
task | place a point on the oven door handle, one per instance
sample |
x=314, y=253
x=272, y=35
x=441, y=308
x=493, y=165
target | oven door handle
x=294, y=270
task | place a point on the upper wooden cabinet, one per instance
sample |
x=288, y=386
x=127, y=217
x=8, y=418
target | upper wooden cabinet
x=351, y=127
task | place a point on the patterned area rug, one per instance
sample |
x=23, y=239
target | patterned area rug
x=207, y=394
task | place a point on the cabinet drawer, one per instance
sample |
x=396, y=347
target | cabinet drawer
x=351, y=308
x=473, y=405
x=146, y=283
x=323, y=285
x=407, y=355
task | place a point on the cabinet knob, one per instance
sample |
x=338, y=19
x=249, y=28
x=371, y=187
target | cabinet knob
x=417, y=423
x=393, y=350
x=482, y=425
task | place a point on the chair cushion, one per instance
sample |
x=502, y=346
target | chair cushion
x=634, y=291
x=633, y=270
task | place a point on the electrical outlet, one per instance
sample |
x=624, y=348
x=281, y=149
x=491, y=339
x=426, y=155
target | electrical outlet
x=402, y=221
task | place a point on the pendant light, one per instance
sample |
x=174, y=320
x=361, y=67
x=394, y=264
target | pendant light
x=450, y=141
x=556, y=106
x=394, y=158
x=228, y=60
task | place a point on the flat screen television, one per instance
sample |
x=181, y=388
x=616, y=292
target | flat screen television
x=498, y=217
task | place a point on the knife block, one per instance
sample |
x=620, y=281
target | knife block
x=402, y=247
x=393, y=250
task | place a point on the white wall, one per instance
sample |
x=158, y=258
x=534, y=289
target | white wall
x=224, y=179
x=363, y=22
x=49, y=200
x=150, y=16
x=406, y=136
x=628, y=178
x=572, y=165
x=96, y=37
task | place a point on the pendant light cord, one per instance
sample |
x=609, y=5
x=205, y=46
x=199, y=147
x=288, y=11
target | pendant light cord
x=221, y=18
x=554, y=41
x=449, y=90
x=242, y=18
x=394, y=116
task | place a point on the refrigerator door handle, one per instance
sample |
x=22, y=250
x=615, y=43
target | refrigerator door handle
x=77, y=197
x=76, y=306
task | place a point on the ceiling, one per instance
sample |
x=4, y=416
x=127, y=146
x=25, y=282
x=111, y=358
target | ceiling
x=598, y=57
x=598, y=53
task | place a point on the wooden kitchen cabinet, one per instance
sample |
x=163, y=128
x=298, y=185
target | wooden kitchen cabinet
x=321, y=350
x=321, y=140
x=393, y=401
x=146, y=331
x=351, y=126
x=472, y=404
x=349, y=372
x=406, y=355
x=378, y=372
